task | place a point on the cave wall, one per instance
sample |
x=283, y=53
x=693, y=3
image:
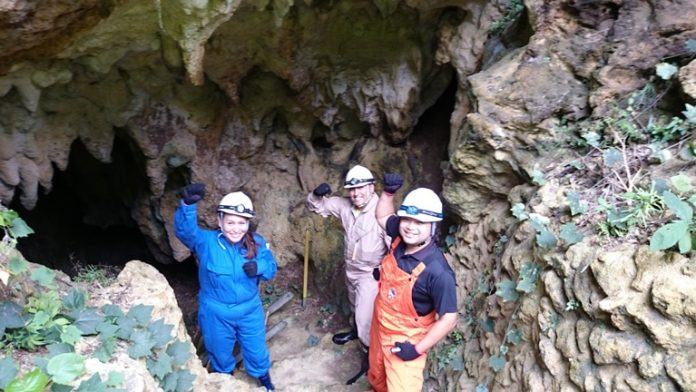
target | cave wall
x=284, y=98
x=276, y=97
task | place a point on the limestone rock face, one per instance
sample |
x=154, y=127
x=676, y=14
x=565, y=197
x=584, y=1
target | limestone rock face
x=141, y=284
x=275, y=97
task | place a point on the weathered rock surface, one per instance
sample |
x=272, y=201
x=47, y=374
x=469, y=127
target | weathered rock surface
x=276, y=97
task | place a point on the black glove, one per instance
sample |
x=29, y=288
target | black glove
x=392, y=182
x=407, y=351
x=322, y=190
x=250, y=268
x=375, y=273
x=193, y=193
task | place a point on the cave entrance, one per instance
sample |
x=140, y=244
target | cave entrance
x=86, y=217
x=430, y=139
x=84, y=226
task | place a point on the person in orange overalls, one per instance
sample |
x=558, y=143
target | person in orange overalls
x=416, y=304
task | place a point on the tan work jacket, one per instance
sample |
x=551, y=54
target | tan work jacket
x=365, y=241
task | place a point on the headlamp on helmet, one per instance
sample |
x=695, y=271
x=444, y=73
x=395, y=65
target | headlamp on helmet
x=358, y=176
x=237, y=203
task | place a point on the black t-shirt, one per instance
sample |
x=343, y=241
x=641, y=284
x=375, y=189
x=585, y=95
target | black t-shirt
x=435, y=287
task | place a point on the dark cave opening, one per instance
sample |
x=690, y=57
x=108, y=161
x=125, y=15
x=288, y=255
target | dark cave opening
x=85, y=219
x=430, y=139
x=429, y=147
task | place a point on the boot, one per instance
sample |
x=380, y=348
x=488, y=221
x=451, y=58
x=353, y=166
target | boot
x=364, y=364
x=344, y=337
x=265, y=381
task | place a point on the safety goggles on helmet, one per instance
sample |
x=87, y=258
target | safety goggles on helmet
x=357, y=181
x=413, y=210
x=239, y=208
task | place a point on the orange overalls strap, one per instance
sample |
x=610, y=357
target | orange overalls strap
x=395, y=320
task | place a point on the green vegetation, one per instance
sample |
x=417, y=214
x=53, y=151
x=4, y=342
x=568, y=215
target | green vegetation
x=513, y=10
x=611, y=192
x=94, y=274
x=47, y=324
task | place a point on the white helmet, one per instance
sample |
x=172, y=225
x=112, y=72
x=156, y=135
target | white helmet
x=237, y=203
x=421, y=204
x=358, y=176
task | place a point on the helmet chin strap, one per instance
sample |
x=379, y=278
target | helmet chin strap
x=433, y=227
x=360, y=207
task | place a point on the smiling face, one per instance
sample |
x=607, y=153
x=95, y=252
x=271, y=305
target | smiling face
x=233, y=227
x=414, y=232
x=361, y=195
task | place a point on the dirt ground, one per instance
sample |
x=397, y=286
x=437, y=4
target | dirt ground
x=302, y=353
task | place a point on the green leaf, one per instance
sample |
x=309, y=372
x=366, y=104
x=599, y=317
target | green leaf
x=668, y=235
x=6, y=217
x=8, y=371
x=18, y=265
x=161, y=332
x=34, y=381
x=184, y=380
x=143, y=344
x=577, y=205
x=19, y=228
x=681, y=183
x=514, y=336
x=506, y=290
x=105, y=350
x=690, y=113
x=141, y=314
x=592, y=138
x=496, y=363
x=92, y=384
x=612, y=156
x=59, y=348
x=488, y=324
x=161, y=366
x=126, y=326
x=41, y=363
x=111, y=310
x=529, y=274
x=681, y=208
x=106, y=330
x=43, y=276
x=518, y=211
x=691, y=45
x=538, y=177
x=685, y=243
x=666, y=70
x=86, y=320
x=64, y=368
x=70, y=335
x=180, y=352
x=546, y=239
x=75, y=299
x=539, y=222
x=55, y=387
x=115, y=379
x=10, y=316
x=570, y=234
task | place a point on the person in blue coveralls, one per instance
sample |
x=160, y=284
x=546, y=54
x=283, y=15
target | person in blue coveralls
x=231, y=262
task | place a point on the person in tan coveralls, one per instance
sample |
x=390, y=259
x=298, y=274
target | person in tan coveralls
x=365, y=246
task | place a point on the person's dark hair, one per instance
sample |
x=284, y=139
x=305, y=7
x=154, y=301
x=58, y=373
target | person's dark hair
x=249, y=243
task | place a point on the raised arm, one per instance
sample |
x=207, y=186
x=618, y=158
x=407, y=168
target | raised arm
x=385, y=204
x=186, y=219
